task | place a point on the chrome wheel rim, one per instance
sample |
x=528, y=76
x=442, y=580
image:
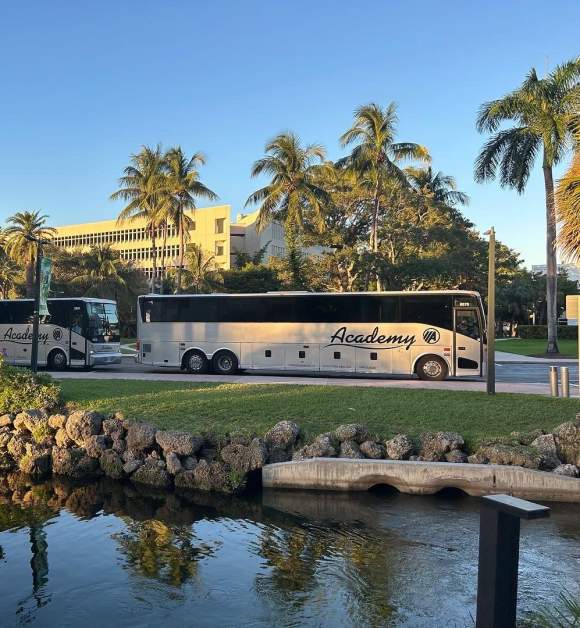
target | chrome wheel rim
x=225, y=363
x=58, y=360
x=196, y=362
x=432, y=368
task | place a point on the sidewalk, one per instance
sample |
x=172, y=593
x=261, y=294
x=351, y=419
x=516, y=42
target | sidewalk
x=504, y=356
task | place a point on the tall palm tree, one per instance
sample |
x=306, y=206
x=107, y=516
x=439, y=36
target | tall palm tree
x=376, y=156
x=185, y=187
x=145, y=186
x=568, y=204
x=100, y=271
x=292, y=196
x=543, y=110
x=21, y=226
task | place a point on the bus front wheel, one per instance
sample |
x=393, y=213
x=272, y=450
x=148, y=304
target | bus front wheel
x=57, y=360
x=432, y=368
x=225, y=363
x=196, y=362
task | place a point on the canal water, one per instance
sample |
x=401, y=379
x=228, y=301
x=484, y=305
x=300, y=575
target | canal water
x=109, y=554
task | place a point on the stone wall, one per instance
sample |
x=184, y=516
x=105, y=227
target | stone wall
x=87, y=444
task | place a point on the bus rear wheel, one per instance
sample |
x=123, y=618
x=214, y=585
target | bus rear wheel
x=57, y=360
x=196, y=362
x=432, y=368
x=225, y=363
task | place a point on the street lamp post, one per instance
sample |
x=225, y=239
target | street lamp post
x=491, y=314
x=36, y=313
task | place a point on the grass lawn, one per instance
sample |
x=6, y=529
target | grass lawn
x=568, y=348
x=234, y=408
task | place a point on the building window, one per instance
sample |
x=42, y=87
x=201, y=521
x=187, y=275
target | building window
x=219, y=249
x=219, y=225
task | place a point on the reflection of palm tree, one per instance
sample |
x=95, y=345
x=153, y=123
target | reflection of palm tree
x=165, y=553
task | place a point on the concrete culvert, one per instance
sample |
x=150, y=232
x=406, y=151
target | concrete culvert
x=383, y=490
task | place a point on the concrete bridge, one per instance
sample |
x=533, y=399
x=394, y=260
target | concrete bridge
x=420, y=478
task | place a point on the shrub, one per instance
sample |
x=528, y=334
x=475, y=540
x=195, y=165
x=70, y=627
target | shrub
x=20, y=390
x=540, y=332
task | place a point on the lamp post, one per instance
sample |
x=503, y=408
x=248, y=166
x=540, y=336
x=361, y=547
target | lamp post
x=35, y=316
x=491, y=313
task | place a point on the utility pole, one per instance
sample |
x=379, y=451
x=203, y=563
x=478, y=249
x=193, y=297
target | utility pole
x=491, y=314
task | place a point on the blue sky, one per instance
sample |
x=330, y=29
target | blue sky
x=84, y=85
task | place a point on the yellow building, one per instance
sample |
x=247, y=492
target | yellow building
x=212, y=229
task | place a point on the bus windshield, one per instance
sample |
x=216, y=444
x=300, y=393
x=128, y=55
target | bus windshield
x=103, y=322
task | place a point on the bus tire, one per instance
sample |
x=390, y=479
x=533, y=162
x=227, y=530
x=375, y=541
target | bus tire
x=431, y=368
x=57, y=360
x=224, y=363
x=196, y=362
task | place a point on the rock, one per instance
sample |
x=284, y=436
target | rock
x=7, y=462
x=567, y=437
x=571, y=470
x=57, y=421
x=545, y=444
x=400, y=447
x=415, y=459
x=111, y=464
x=19, y=423
x=118, y=444
x=189, y=463
x=140, y=436
x=456, y=455
x=82, y=424
x=5, y=420
x=36, y=461
x=322, y=447
x=352, y=432
x=131, y=454
x=114, y=428
x=526, y=438
x=173, y=463
x=208, y=453
x=152, y=474
x=181, y=443
x=40, y=430
x=517, y=455
x=73, y=463
x=372, y=450
x=5, y=436
x=278, y=454
x=185, y=479
x=476, y=459
x=434, y=445
x=284, y=435
x=17, y=445
x=131, y=466
x=96, y=445
x=349, y=449
x=216, y=476
x=62, y=439
x=243, y=459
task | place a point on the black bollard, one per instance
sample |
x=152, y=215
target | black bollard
x=499, y=550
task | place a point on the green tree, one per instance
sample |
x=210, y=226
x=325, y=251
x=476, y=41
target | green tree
x=144, y=186
x=201, y=272
x=185, y=188
x=376, y=156
x=292, y=195
x=20, y=227
x=100, y=272
x=543, y=110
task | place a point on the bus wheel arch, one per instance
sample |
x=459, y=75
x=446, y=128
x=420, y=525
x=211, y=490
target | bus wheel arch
x=195, y=361
x=57, y=360
x=431, y=367
x=225, y=362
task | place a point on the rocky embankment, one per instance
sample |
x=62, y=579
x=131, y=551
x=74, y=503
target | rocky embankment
x=87, y=444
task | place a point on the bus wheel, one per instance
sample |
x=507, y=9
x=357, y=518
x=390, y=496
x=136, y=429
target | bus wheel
x=225, y=363
x=196, y=362
x=57, y=360
x=432, y=368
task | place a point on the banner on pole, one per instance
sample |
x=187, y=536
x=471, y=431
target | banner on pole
x=45, y=275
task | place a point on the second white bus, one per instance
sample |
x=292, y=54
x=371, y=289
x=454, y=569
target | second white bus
x=432, y=334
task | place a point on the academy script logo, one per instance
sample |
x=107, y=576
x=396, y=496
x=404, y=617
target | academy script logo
x=23, y=337
x=341, y=337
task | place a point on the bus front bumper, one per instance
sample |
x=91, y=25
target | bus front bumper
x=96, y=359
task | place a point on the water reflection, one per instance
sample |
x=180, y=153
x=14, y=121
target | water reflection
x=130, y=556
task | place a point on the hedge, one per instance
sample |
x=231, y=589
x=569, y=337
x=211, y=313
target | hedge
x=540, y=332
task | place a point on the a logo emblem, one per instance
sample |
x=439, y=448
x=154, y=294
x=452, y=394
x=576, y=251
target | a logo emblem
x=57, y=334
x=431, y=336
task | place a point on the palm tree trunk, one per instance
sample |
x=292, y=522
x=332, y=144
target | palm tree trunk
x=181, y=253
x=163, y=253
x=551, y=263
x=375, y=234
x=153, y=258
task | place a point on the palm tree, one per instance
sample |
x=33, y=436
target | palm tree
x=543, y=110
x=376, y=156
x=100, y=270
x=8, y=272
x=201, y=272
x=568, y=202
x=440, y=187
x=185, y=187
x=292, y=196
x=18, y=246
x=145, y=187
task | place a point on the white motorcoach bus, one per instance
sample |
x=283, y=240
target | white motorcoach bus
x=433, y=334
x=77, y=332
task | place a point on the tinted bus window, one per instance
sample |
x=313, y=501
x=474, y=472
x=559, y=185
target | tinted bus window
x=21, y=312
x=4, y=314
x=59, y=313
x=433, y=310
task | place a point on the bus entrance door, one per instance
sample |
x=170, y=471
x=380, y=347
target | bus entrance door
x=468, y=342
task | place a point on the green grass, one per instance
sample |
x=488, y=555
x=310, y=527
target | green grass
x=568, y=348
x=233, y=408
